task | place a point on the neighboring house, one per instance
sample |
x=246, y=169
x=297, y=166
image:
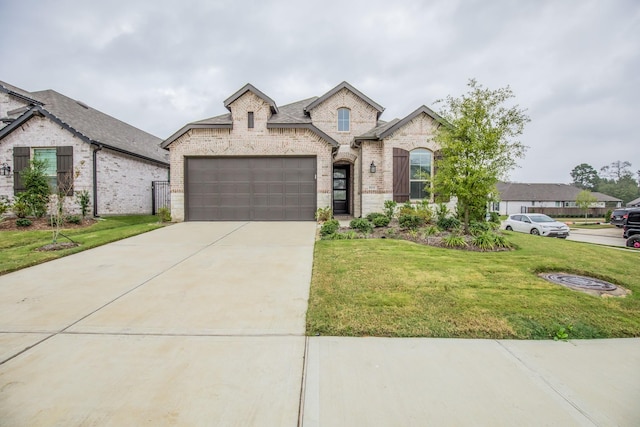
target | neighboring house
x=545, y=198
x=262, y=161
x=634, y=203
x=115, y=162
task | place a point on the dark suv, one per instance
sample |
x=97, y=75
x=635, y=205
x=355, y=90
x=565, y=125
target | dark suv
x=617, y=217
x=631, y=223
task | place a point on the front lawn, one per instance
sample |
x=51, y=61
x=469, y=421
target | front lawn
x=384, y=287
x=18, y=248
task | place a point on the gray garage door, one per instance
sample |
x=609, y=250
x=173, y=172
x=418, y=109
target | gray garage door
x=250, y=188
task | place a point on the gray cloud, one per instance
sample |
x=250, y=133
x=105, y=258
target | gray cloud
x=158, y=65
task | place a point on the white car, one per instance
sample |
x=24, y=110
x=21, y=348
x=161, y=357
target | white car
x=536, y=224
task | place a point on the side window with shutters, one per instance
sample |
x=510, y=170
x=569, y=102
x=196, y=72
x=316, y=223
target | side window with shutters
x=21, y=156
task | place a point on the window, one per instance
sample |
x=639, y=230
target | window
x=49, y=156
x=250, y=120
x=343, y=119
x=420, y=161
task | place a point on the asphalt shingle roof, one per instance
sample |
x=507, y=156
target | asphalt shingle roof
x=511, y=191
x=91, y=124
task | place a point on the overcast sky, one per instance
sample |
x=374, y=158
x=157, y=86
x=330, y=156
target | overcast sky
x=574, y=65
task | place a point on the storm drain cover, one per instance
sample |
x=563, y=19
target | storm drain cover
x=580, y=282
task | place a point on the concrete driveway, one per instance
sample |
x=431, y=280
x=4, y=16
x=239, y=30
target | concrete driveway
x=165, y=328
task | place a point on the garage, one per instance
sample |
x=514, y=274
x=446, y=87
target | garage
x=250, y=188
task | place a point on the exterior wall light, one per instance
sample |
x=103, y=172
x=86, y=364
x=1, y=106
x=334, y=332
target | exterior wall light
x=5, y=169
x=372, y=167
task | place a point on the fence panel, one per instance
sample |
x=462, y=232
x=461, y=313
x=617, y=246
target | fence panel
x=160, y=196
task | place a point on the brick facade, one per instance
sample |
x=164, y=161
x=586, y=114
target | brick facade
x=124, y=182
x=368, y=190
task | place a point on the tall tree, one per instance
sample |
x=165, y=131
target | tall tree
x=585, y=177
x=479, y=146
x=616, y=170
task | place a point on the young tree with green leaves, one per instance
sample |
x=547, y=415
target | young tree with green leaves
x=479, y=146
x=37, y=191
x=584, y=200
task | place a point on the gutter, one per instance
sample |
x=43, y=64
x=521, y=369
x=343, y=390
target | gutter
x=95, y=179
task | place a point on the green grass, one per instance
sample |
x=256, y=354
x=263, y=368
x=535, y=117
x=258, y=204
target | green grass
x=384, y=287
x=18, y=248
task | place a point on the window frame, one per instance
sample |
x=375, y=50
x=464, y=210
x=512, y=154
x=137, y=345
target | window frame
x=428, y=194
x=341, y=120
x=52, y=169
x=250, y=120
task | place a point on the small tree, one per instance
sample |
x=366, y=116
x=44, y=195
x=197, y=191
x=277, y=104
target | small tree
x=478, y=147
x=58, y=208
x=584, y=200
x=37, y=191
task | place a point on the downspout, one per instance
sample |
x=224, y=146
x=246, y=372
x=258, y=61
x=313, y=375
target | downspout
x=95, y=180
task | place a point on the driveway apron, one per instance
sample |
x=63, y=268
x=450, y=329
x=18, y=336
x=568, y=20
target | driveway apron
x=192, y=324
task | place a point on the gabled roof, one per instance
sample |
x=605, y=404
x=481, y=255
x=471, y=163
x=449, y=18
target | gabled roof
x=345, y=85
x=511, y=191
x=91, y=125
x=384, y=130
x=250, y=88
x=634, y=203
x=18, y=93
x=290, y=116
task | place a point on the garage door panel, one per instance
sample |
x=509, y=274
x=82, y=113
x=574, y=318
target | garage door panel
x=266, y=188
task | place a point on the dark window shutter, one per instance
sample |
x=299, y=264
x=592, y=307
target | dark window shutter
x=400, y=175
x=65, y=168
x=20, y=161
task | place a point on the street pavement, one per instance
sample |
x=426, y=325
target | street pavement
x=202, y=324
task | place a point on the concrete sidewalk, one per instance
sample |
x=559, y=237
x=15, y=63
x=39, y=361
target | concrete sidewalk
x=448, y=382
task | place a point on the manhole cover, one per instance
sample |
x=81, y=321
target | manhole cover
x=580, y=282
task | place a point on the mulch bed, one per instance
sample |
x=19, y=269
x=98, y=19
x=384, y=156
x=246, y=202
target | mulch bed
x=9, y=224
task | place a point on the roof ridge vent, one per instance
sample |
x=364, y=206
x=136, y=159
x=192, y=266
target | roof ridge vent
x=82, y=104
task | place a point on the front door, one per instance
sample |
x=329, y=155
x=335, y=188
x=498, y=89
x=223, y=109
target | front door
x=340, y=190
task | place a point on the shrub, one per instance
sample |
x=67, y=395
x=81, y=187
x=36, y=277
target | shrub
x=5, y=205
x=477, y=228
x=494, y=217
x=607, y=216
x=406, y=209
x=329, y=227
x=164, y=214
x=390, y=208
x=324, y=214
x=448, y=223
x=83, y=199
x=74, y=219
x=349, y=235
x=381, y=221
x=23, y=222
x=410, y=221
x=454, y=241
x=20, y=207
x=485, y=240
x=501, y=242
x=429, y=231
x=424, y=211
x=442, y=211
x=362, y=225
x=374, y=215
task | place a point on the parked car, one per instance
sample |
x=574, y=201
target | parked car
x=617, y=217
x=536, y=224
x=634, y=241
x=631, y=225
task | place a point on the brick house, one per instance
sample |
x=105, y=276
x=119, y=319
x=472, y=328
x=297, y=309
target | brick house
x=114, y=161
x=262, y=161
